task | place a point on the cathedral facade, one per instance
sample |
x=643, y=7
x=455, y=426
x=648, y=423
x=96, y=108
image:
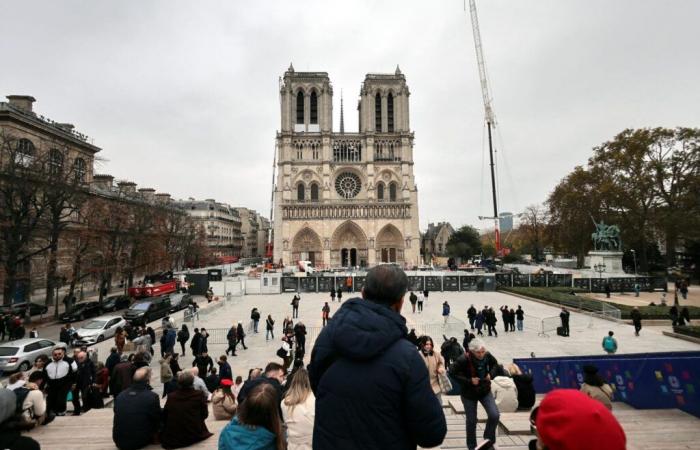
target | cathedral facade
x=345, y=199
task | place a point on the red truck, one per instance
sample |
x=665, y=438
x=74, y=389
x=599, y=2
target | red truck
x=161, y=283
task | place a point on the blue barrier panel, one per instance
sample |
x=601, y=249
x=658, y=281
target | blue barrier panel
x=643, y=380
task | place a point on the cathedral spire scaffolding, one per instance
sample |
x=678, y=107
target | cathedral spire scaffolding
x=342, y=122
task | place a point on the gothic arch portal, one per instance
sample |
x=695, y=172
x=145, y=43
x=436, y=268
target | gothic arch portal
x=390, y=245
x=306, y=246
x=349, y=246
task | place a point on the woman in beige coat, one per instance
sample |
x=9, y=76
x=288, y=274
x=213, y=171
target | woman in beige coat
x=166, y=373
x=223, y=403
x=433, y=360
x=595, y=387
x=298, y=411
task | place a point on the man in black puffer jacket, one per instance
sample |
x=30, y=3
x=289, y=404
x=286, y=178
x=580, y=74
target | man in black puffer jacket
x=371, y=385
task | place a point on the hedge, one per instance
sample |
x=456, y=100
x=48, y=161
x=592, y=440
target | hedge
x=688, y=330
x=563, y=297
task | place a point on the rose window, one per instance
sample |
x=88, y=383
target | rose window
x=348, y=185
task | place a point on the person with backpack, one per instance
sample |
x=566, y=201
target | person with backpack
x=61, y=372
x=413, y=299
x=30, y=403
x=183, y=335
x=610, y=343
x=255, y=317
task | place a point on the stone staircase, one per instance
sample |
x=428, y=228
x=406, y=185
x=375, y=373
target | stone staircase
x=670, y=429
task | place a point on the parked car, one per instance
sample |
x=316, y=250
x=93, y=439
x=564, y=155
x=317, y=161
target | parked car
x=20, y=354
x=148, y=310
x=81, y=311
x=115, y=302
x=18, y=309
x=179, y=302
x=97, y=330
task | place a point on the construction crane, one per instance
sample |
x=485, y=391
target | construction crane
x=488, y=116
x=269, y=246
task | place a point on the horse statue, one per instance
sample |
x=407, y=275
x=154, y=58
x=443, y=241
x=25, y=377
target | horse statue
x=606, y=237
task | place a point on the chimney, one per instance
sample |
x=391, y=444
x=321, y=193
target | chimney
x=23, y=102
x=127, y=187
x=103, y=182
x=148, y=194
x=162, y=197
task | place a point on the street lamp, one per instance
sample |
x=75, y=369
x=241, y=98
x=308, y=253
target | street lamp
x=600, y=268
x=634, y=258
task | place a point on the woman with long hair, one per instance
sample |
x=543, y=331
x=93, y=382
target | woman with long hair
x=595, y=386
x=183, y=335
x=258, y=425
x=298, y=411
x=433, y=361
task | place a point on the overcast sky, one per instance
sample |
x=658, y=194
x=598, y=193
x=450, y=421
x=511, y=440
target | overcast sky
x=182, y=96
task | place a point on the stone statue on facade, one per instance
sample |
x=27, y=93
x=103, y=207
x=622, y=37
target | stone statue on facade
x=606, y=237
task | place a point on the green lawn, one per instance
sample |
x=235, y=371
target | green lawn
x=562, y=296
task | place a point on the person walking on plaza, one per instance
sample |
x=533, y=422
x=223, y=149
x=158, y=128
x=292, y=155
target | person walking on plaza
x=300, y=337
x=491, y=321
x=299, y=411
x=203, y=341
x=339, y=294
x=287, y=324
x=182, y=337
x=270, y=327
x=225, y=372
x=119, y=339
x=184, y=415
x=474, y=370
x=61, y=375
x=295, y=307
x=520, y=317
x=471, y=315
x=420, y=304
x=479, y=322
x=564, y=316
x=194, y=343
x=325, y=313
x=608, y=289
x=366, y=343
x=595, y=387
x=433, y=361
x=684, y=316
x=332, y=295
x=504, y=317
x=445, y=312
x=231, y=338
x=610, y=343
x=511, y=319
x=240, y=336
x=636, y=320
x=136, y=414
x=673, y=314
x=684, y=289
x=255, y=317
x=413, y=298
x=204, y=363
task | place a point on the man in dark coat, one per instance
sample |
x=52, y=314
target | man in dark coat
x=564, y=316
x=204, y=363
x=232, y=340
x=366, y=342
x=84, y=379
x=300, y=336
x=112, y=360
x=184, y=414
x=636, y=320
x=474, y=370
x=122, y=376
x=471, y=314
x=194, y=343
x=136, y=414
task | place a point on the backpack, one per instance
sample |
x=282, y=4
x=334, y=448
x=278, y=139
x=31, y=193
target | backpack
x=21, y=394
x=609, y=344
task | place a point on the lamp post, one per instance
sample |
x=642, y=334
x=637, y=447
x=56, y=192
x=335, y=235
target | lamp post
x=600, y=268
x=634, y=258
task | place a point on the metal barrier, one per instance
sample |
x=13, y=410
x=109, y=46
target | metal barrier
x=549, y=324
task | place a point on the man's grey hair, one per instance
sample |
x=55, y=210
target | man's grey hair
x=476, y=344
x=142, y=374
x=185, y=379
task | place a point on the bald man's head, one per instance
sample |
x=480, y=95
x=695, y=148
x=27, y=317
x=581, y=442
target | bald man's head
x=142, y=374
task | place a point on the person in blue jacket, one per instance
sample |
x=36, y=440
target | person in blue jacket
x=257, y=425
x=445, y=311
x=371, y=385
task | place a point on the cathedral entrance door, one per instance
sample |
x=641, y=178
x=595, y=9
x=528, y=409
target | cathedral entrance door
x=344, y=257
x=348, y=257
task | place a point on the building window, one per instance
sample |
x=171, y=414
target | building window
x=378, y=112
x=314, y=149
x=392, y=191
x=80, y=170
x=25, y=152
x=348, y=185
x=300, y=192
x=440, y=247
x=380, y=191
x=55, y=162
x=314, y=108
x=300, y=107
x=300, y=150
x=390, y=113
x=314, y=192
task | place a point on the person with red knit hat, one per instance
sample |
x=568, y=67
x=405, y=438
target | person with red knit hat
x=570, y=420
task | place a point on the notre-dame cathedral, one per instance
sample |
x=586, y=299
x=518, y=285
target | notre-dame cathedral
x=345, y=199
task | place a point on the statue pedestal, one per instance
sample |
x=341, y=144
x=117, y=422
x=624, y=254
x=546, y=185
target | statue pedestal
x=611, y=259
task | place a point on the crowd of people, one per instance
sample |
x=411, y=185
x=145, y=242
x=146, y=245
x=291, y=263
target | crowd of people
x=292, y=405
